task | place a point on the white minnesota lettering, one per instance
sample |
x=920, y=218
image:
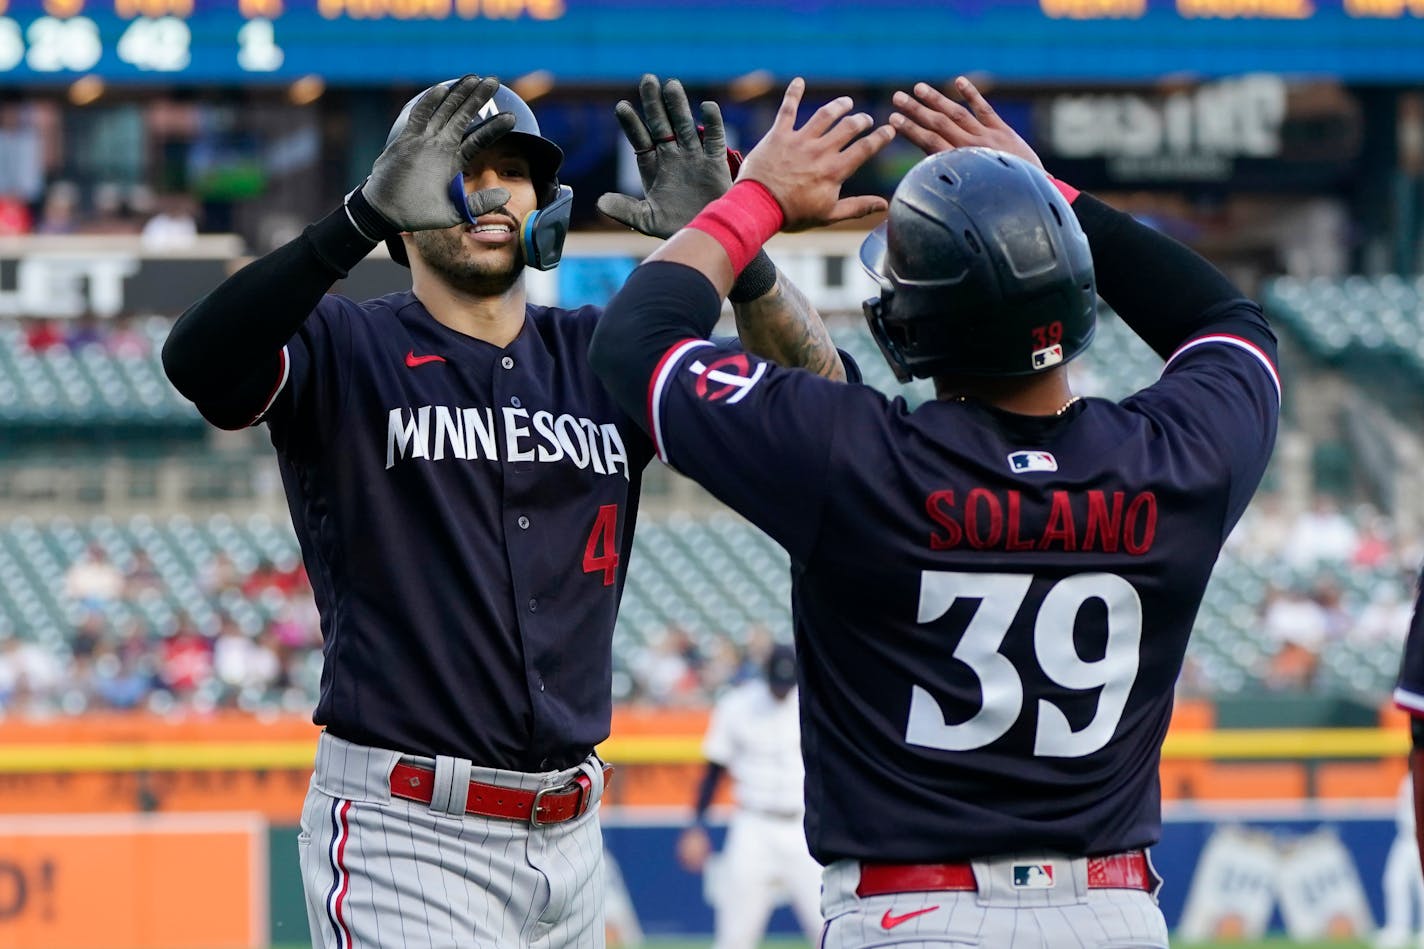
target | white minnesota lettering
x=469, y=434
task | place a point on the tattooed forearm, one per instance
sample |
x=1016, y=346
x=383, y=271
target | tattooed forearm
x=783, y=326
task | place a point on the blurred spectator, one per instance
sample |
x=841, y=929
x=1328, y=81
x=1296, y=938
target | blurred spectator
x=1322, y=535
x=242, y=663
x=88, y=635
x=42, y=334
x=1296, y=627
x=1263, y=531
x=111, y=212
x=187, y=661
x=141, y=576
x=1374, y=546
x=285, y=580
x=125, y=340
x=30, y=677
x=84, y=331
x=219, y=575
x=296, y=624
x=118, y=679
x=1328, y=595
x=59, y=213
x=93, y=582
x=15, y=218
x=174, y=227
x=1385, y=619
x=667, y=670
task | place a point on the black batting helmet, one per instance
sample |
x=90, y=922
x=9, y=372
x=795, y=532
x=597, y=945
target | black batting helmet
x=983, y=270
x=543, y=234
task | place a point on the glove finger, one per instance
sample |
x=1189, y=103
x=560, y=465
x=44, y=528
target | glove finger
x=633, y=128
x=467, y=111
x=486, y=200
x=679, y=113
x=627, y=211
x=714, y=133
x=458, y=94
x=653, y=112
x=484, y=135
x=420, y=114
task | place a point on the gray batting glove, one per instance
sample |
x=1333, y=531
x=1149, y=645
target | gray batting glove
x=681, y=171
x=410, y=181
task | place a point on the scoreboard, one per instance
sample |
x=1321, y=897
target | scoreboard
x=370, y=42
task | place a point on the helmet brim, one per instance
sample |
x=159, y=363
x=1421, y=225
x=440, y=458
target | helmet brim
x=872, y=253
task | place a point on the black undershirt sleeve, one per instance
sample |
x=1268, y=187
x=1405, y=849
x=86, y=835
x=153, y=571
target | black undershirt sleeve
x=706, y=790
x=1163, y=290
x=224, y=352
x=661, y=304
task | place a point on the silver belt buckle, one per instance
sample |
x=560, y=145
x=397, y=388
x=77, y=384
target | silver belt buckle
x=534, y=820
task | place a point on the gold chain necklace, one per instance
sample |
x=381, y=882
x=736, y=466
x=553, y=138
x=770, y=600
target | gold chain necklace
x=1061, y=409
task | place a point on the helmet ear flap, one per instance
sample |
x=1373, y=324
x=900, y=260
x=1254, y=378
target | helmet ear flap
x=541, y=236
x=877, y=312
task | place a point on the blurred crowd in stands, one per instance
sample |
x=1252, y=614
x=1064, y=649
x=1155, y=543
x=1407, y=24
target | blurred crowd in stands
x=120, y=336
x=119, y=661
x=1337, y=576
x=1334, y=576
x=161, y=222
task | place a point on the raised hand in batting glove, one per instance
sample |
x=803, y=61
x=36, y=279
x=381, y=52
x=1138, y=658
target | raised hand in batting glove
x=681, y=170
x=409, y=187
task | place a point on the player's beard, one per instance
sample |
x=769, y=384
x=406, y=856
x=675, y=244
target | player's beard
x=481, y=275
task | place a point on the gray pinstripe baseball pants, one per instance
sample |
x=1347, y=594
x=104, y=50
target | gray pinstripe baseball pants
x=395, y=874
x=1068, y=915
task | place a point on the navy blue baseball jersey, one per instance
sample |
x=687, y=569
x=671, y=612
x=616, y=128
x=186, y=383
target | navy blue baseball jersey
x=991, y=609
x=486, y=633
x=1409, y=691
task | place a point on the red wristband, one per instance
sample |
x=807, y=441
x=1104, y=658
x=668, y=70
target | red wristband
x=741, y=221
x=1070, y=193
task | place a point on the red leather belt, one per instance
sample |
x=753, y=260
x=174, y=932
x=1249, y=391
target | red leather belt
x=544, y=806
x=1128, y=870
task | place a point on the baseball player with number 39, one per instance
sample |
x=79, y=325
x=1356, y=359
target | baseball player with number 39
x=992, y=593
x=464, y=491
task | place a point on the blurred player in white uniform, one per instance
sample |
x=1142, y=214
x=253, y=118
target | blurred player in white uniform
x=755, y=733
x=1403, y=883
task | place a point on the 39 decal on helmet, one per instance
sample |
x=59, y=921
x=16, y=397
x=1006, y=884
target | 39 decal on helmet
x=542, y=232
x=983, y=270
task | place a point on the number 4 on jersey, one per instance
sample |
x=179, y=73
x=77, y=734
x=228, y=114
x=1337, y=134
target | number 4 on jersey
x=605, y=535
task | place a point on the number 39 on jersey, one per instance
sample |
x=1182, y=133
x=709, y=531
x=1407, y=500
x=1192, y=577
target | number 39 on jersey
x=1000, y=597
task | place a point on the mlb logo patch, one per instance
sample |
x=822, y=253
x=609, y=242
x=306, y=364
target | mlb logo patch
x=1021, y=461
x=1033, y=876
x=1049, y=356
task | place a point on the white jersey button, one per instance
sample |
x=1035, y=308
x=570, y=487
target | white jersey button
x=507, y=362
x=523, y=522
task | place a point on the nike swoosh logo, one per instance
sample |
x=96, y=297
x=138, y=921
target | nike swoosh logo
x=890, y=922
x=412, y=360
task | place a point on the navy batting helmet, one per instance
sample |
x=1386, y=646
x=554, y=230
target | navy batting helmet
x=542, y=233
x=983, y=270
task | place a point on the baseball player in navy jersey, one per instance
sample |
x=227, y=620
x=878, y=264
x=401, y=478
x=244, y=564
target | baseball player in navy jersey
x=1409, y=695
x=755, y=735
x=992, y=593
x=464, y=492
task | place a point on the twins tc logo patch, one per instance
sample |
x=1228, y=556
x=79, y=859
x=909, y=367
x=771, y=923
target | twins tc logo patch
x=1048, y=356
x=1033, y=876
x=1023, y=461
x=730, y=377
